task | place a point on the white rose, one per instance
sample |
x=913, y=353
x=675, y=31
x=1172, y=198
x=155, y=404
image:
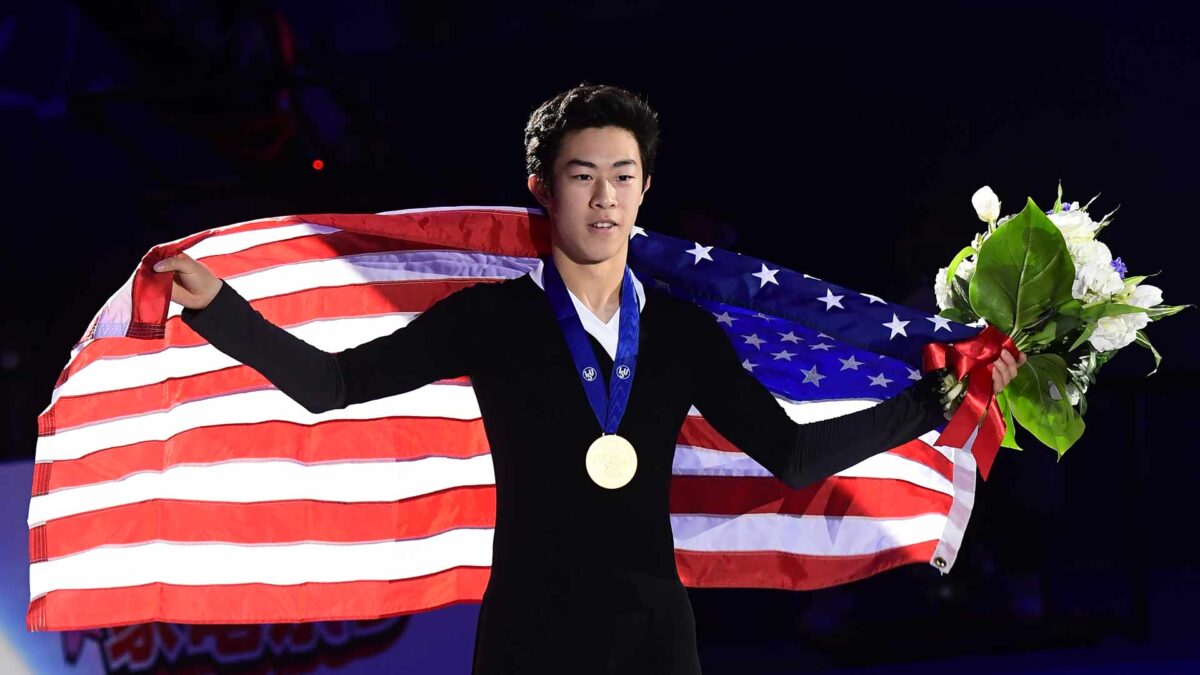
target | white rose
x=1114, y=332
x=1075, y=225
x=1144, y=295
x=941, y=290
x=1096, y=281
x=987, y=204
x=1089, y=252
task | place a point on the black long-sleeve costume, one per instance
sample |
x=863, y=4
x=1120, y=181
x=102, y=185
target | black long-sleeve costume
x=568, y=555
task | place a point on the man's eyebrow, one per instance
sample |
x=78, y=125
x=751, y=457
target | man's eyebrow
x=591, y=165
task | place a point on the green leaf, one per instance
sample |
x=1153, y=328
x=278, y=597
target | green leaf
x=954, y=314
x=1083, y=337
x=1103, y=309
x=1071, y=307
x=1010, y=428
x=961, y=256
x=1058, y=202
x=1023, y=271
x=1158, y=312
x=1130, y=282
x=1054, y=329
x=1053, y=422
x=1144, y=341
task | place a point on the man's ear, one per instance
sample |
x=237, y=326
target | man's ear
x=539, y=190
x=644, y=189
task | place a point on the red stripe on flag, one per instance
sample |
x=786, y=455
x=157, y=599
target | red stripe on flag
x=836, y=496
x=277, y=522
x=395, y=438
x=74, y=411
x=790, y=571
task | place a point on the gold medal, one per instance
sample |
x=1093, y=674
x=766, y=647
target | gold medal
x=611, y=461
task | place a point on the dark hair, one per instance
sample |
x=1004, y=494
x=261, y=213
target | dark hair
x=584, y=107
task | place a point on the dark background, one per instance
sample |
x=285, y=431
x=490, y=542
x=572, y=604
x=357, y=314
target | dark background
x=842, y=140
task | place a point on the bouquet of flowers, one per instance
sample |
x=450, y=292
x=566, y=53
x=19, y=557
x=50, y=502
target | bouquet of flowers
x=1045, y=280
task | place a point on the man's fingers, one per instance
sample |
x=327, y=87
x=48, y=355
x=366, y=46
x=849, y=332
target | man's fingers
x=177, y=263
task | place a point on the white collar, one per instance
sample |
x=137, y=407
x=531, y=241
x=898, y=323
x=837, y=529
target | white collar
x=605, y=333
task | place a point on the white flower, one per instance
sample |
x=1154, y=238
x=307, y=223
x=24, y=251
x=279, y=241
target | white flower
x=1075, y=225
x=987, y=204
x=941, y=290
x=1096, y=281
x=1144, y=295
x=1089, y=252
x=1114, y=332
x=977, y=242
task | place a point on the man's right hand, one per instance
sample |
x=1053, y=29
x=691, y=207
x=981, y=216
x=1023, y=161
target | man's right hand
x=194, y=285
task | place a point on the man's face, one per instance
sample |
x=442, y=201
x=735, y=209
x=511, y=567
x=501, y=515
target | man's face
x=597, y=187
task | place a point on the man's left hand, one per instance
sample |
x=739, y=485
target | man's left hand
x=1004, y=370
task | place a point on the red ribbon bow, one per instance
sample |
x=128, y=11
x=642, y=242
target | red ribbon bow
x=973, y=357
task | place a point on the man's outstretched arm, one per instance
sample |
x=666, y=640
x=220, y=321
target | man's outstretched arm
x=742, y=409
x=436, y=345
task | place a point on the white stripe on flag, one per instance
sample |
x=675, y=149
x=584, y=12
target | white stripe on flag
x=264, y=405
x=248, y=481
x=123, y=372
x=693, y=461
x=280, y=565
x=804, y=535
x=221, y=244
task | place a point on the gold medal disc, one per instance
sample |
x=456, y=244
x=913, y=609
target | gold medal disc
x=611, y=461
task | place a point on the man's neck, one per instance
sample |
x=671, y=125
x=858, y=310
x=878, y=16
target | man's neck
x=597, y=285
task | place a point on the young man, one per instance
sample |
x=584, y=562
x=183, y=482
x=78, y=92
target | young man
x=584, y=378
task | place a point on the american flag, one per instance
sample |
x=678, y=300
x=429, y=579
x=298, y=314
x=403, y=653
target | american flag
x=174, y=484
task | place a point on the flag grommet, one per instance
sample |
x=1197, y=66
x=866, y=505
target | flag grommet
x=940, y=562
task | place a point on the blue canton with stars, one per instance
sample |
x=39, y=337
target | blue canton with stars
x=802, y=337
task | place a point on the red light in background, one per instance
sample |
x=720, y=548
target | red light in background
x=317, y=165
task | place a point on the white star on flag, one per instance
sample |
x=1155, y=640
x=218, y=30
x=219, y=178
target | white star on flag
x=831, y=300
x=897, y=326
x=812, y=376
x=850, y=363
x=939, y=322
x=880, y=380
x=749, y=366
x=823, y=347
x=765, y=276
x=659, y=283
x=753, y=339
x=785, y=355
x=873, y=298
x=790, y=337
x=913, y=373
x=701, y=253
x=724, y=318
x=763, y=316
x=635, y=231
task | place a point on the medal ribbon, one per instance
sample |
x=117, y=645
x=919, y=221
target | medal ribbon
x=607, y=404
x=975, y=358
